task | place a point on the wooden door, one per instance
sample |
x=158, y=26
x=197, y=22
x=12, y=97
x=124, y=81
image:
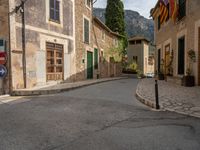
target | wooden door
x=112, y=73
x=89, y=65
x=54, y=62
x=181, y=56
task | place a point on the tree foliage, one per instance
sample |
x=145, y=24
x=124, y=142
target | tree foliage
x=115, y=18
x=116, y=52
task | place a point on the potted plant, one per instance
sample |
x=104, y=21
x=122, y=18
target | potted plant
x=189, y=80
x=161, y=75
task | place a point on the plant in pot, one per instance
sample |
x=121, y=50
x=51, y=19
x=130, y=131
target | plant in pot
x=189, y=80
x=161, y=75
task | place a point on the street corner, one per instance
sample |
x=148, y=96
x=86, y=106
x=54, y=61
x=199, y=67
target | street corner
x=171, y=97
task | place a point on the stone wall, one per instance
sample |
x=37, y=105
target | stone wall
x=104, y=44
x=81, y=11
x=4, y=34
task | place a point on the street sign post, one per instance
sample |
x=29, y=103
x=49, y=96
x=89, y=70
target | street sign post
x=3, y=71
x=3, y=58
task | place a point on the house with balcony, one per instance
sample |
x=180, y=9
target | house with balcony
x=175, y=38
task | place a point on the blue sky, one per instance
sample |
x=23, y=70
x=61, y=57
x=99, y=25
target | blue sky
x=141, y=6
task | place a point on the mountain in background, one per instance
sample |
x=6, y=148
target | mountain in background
x=136, y=25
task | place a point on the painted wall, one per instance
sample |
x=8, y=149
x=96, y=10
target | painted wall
x=40, y=30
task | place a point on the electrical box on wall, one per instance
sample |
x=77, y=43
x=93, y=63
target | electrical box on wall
x=2, y=45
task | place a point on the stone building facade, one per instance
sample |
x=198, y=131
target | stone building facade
x=83, y=12
x=89, y=44
x=105, y=40
x=54, y=42
x=174, y=39
x=138, y=52
x=49, y=41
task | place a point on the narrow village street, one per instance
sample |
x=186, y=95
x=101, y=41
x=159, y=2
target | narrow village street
x=104, y=116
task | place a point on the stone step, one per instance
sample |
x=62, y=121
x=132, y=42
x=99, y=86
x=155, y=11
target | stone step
x=175, y=80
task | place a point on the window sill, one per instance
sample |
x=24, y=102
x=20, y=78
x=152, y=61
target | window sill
x=88, y=7
x=54, y=21
x=86, y=43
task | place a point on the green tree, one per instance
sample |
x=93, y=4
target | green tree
x=115, y=18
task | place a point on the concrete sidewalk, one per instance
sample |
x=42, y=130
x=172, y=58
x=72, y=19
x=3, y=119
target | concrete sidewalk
x=184, y=100
x=62, y=87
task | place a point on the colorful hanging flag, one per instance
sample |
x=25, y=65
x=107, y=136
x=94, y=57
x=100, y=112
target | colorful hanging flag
x=174, y=9
x=165, y=2
x=164, y=12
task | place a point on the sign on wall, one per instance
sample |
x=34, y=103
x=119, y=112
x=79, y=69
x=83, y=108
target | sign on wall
x=3, y=71
x=3, y=58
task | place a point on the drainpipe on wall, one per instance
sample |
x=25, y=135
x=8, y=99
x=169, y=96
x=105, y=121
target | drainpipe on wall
x=99, y=50
x=10, y=51
x=23, y=43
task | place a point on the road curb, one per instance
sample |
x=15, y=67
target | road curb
x=55, y=91
x=151, y=104
x=145, y=101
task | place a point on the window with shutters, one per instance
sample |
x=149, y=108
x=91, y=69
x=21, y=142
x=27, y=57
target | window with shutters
x=54, y=10
x=88, y=3
x=182, y=9
x=86, y=31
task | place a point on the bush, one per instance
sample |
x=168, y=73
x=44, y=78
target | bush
x=132, y=67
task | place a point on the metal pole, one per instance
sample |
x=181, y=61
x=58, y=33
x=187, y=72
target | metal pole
x=156, y=95
x=23, y=43
x=10, y=53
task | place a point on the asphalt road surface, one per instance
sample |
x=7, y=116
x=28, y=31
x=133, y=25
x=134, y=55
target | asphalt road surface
x=106, y=116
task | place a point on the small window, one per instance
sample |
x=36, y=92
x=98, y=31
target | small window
x=55, y=10
x=182, y=9
x=138, y=42
x=103, y=36
x=88, y=3
x=86, y=31
x=132, y=42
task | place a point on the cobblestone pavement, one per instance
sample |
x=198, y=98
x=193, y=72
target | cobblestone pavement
x=185, y=100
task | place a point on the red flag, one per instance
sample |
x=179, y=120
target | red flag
x=174, y=9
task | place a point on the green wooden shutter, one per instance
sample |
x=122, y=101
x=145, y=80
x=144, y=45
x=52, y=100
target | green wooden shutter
x=96, y=58
x=86, y=31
